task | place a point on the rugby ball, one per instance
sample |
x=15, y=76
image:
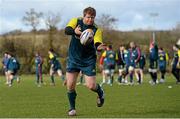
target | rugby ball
x=86, y=36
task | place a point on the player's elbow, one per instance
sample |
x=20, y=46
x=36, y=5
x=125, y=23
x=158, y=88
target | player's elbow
x=69, y=30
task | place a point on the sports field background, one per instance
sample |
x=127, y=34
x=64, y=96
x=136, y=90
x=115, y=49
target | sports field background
x=26, y=100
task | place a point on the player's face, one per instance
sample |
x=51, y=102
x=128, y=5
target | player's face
x=108, y=48
x=132, y=45
x=5, y=55
x=9, y=56
x=174, y=48
x=122, y=48
x=88, y=19
x=159, y=51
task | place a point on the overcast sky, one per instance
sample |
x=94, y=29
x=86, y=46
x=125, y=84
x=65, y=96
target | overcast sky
x=132, y=14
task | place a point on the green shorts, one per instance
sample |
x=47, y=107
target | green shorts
x=87, y=70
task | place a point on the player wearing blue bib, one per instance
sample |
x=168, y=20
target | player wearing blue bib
x=101, y=62
x=142, y=63
x=38, y=63
x=12, y=68
x=127, y=64
x=4, y=63
x=134, y=60
x=109, y=62
x=162, y=61
x=176, y=63
x=121, y=64
x=153, y=61
x=83, y=57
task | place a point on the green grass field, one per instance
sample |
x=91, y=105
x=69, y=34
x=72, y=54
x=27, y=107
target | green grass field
x=26, y=100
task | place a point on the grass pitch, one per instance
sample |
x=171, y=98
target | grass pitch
x=26, y=100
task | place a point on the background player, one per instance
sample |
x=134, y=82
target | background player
x=38, y=63
x=108, y=59
x=4, y=63
x=162, y=61
x=55, y=66
x=176, y=64
x=153, y=61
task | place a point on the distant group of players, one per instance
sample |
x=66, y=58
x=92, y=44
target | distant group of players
x=131, y=61
x=11, y=66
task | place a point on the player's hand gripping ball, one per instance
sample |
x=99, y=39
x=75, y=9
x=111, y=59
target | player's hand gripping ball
x=86, y=37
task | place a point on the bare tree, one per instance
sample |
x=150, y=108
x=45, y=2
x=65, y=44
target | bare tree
x=106, y=21
x=52, y=20
x=32, y=18
x=177, y=26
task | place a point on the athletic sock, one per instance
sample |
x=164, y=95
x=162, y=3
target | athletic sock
x=81, y=79
x=152, y=76
x=37, y=79
x=162, y=76
x=72, y=98
x=139, y=76
x=155, y=77
x=120, y=79
x=52, y=79
x=112, y=79
x=98, y=90
x=131, y=77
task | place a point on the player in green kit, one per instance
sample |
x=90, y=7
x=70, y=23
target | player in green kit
x=162, y=62
x=38, y=64
x=13, y=67
x=121, y=64
x=153, y=62
x=176, y=63
x=55, y=66
x=83, y=57
x=109, y=59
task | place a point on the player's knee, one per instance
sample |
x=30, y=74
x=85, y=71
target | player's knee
x=91, y=86
x=70, y=87
x=121, y=72
x=59, y=72
x=11, y=76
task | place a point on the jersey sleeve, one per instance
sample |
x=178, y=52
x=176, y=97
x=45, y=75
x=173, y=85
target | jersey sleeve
x=72, y=23
x=102, y=57
x=51, y=56
x=167, y=57
x=104, y=54
x=116, y=57
x=98, y=36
